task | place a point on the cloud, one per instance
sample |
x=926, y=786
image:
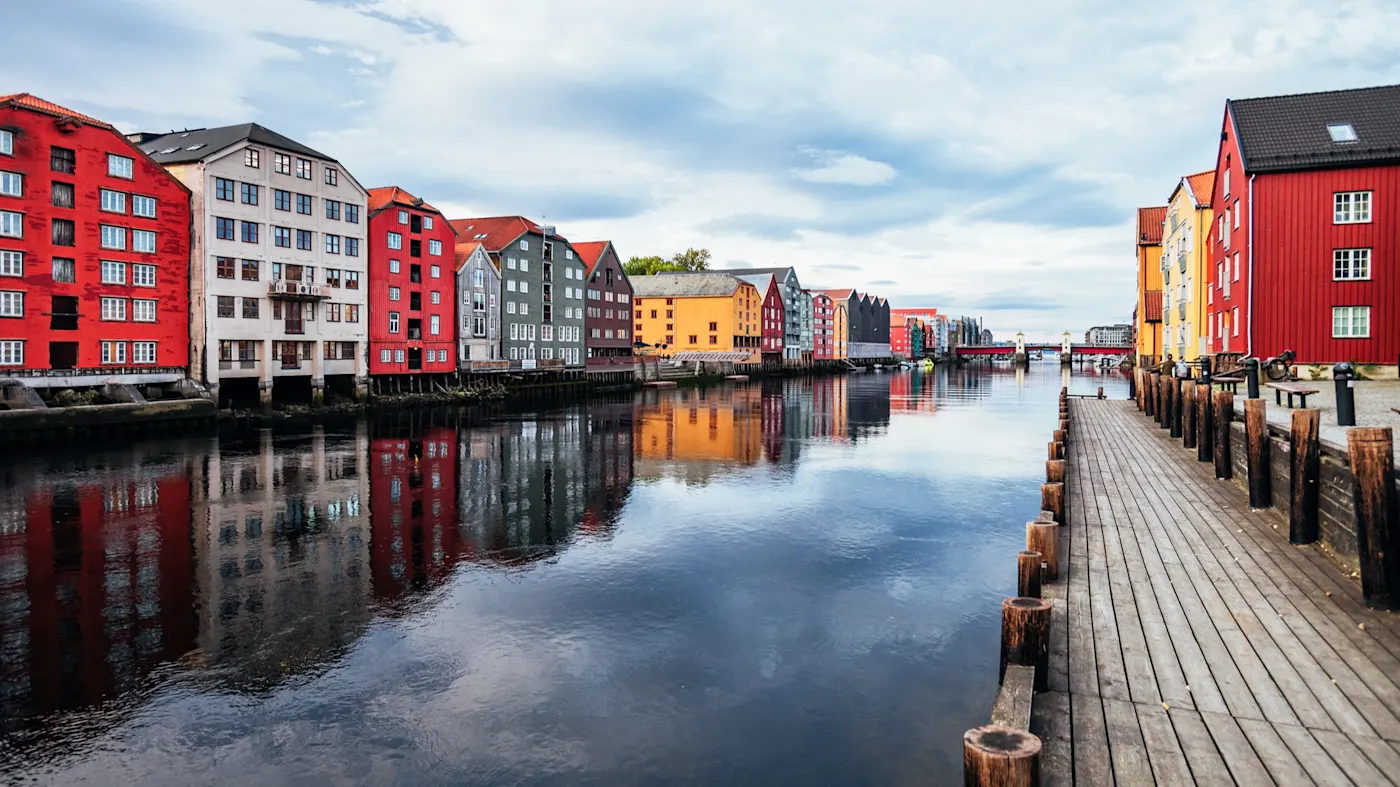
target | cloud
x=846, y=169
x=949, y=148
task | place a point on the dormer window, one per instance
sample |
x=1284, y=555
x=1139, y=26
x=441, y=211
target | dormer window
x=1342, y=132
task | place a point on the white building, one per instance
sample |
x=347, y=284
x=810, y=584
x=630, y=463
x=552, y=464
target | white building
x=278, y=262
x=1109, y=336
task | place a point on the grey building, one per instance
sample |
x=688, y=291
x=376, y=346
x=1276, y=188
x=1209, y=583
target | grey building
x=792, y=307
x=542, y=289
x=479, y=304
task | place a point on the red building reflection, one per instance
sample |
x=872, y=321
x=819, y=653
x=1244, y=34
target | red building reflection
x=414, y=534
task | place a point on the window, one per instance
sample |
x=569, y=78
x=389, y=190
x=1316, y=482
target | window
x=398, y=356
x=1235, y=321
x=1351, y=322
x=223, y=189
x=114, y=352
x=435, y=248
x=524, y=244
x=143, y=311
x=395, y=240
x=225, y=305
x=11, y=304
x=304, y=204
x=304, y=169
x=514, y=331
x=1236, y=275
x=248, y=271
x=11, y=353
x=1351, y=207
x=250, y=308
x=524, y=265
x=1235, y=215
x=119, y=166
x=352, y=247
x=352, y=312
x=332, y=176
x=524, y=286
x=1351, y=264
x=114, y=309
x=524, y=308
x=252, y=157
x=248, y=193
x=714, y=326
x=11, y=224
x=510, y=285
x=281, y=200
x=282, y=236
x=143, y=206
x=333, y=209
x=114, y=272
x=12, y=184
x=63, y=160
x=332, y=244
x=332, y=277
x=112, y=237
x=1341, y=132
x=304, y=239
x=394, y=294
x=352, y=280
x=393, y=322
x=143, y=352
x=352, y=214
x=510, y=307
x=510, y=263
x=435, y=297
x=223, y=228
x=434, y=271
x=434, y=325
x=143, y=241
x=393, y=266
x=7, y=143
x=142, y=275
x=403, y=217
x=249, y=231
x=62, y=194
x=11, y=263
x=223, y=267
x=713, y=339
x=386, y=356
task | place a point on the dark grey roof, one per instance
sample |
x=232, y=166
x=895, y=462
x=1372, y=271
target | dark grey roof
x=1285, y=133
x=201, y=143
x=679, y=285
x=779, y=272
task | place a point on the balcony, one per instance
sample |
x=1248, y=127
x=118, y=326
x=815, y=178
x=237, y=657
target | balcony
x=1181, y=310
x=296, y=290
x=1181, y=262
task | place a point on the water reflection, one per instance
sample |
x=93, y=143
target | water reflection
x=252, y=564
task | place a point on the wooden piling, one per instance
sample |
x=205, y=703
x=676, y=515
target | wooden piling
x=1169, y=403
x=1137, y=387
x=1052, y=499
x=1149, y=395
x=1188, y=414
x=1303, y=476
x=1256, y=430
x=1224, y=406
x=1055, y=450
x=1025, y=637
x=1044, y=537
x=1177, y=407
x=1027, y=577
x=996, y=756
x=1100, y=391
x=1055, y=471
x=1060, y=436
x=1377, y=522
x=1205, y=429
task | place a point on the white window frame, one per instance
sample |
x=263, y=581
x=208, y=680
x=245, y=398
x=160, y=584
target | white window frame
x=120, y=166
x=393, y=266
x=12, y=184
x=428, y=222
x=1348, y=207
x=7, y=143
x=1349, y=262
x=1235, y=215
x=1235, y=321
x=113, y=353
x=403, y=217
x=434, y=325
x=12, y=352
x=11, y=304
x=143, y=310
x=525, y=286
x=524, y=265
x=434, y=246
x=435, y=297
x=139, y=200
x=1235, y=265
x=11, y=263
x=138, y=354
x=395, y=241
x=116, y=267
x=524, y=244
x=1351, y=313
x=11, y=224
x=393, y=322
x=104, y=237
x=435, y=271
x=113, y=309
x=139, y=277
x=138, y=245
x=394, y=294
x=386, y=356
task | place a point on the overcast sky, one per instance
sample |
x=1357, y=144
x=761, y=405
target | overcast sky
x=984, y=158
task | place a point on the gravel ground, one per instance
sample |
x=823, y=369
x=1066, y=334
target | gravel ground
x=1374, y=400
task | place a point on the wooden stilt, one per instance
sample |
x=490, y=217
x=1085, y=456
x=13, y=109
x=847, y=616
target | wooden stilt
x=1303, y=476
x=1055, y=471
x=1044, y=537
x=1224, y=413
x=996, y=756
x=1028, y=575
x=1256, y=427
x=1052, y=499
x=1025, y=637
x=1205, y=428
x=1188, y=414
x=1377, y=522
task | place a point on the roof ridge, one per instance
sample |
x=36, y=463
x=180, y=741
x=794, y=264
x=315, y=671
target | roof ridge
x=1312, y=93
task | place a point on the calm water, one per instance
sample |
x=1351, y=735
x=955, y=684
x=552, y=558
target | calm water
x=793, y=583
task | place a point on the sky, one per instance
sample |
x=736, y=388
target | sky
x=981, y=158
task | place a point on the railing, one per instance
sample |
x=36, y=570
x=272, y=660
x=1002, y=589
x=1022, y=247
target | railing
x=101, y=371
x=296, y=289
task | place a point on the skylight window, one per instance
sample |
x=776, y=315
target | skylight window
x=1342, y=132
x=169, y=150
x=195, y=147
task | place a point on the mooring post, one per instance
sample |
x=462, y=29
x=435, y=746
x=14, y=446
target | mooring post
x=1054, y=450
x=1055, y=471
x=1149, y=395
x=1251, y=377
x=1303, y=476
x=1371, y=450
x=1052, y=499
x=997, y=756
x=1224, y=413
x=1176, y=406
x=1044, y=537
x=1025, y=637
x=1205, y=430
x=1028, y=574
x=1256, y=430
x=1060, y=437
x=1168, y=402
x=1188, y=414
x=1100, y=391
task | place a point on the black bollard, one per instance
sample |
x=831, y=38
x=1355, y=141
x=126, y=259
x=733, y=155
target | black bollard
x=1251, y=377
x=1343, y=375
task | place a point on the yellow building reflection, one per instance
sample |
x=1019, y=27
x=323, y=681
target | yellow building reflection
x=691, y=433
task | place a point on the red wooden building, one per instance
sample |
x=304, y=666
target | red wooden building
x=823, y=326
x=94, y=253
x=412, y=286
x=607, y=334
x=771, y=325
x=1307, y=227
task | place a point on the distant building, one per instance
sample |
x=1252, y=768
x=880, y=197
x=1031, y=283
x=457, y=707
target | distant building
x=1148, y=324
x=698, y=312
x=793, y=314
x=412, y=286
x=608, y=320
x=775, y=323
x=1109, y=336
x=823, y=326
x=479, y=304
x=986, y=338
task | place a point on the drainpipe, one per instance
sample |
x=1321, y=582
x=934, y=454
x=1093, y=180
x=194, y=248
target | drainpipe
x=1249, y=316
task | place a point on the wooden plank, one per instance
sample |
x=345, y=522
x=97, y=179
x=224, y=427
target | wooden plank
x=1274, y=753
x=1348, y=757
x=1050, y=720
x=1125, y=743
x=1169, y=765
x=1202, y=756
x=1091, y=757
x=1381, y=755
x=1013, y=703
x=1317, y=762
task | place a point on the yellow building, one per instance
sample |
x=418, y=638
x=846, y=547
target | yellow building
x=838, y=347
x=696, y=312
x=1185, y=326
x=1147, y=320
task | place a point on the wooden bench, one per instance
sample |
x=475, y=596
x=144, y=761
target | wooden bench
x=1233, y=383
x=1292, y=389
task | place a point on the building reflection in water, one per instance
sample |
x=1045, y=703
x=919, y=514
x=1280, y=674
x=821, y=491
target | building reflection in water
x=693, y=433
x=916, y=392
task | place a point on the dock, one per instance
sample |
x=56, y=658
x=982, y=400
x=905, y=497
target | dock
x=1191, y=643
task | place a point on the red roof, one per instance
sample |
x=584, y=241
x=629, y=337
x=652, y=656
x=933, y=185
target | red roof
x=495, y=232
x=839, y=294
x=590, y=252
x=463, y=252
x=1152, y=306
x=1202, y=184
x=37, y=104
x=1150, y=225
x=384, y=196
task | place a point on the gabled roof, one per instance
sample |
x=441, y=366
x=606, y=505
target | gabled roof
x=839, y=294
x=498, y=232
x=180, y=147
x=1201, y=185
x=464, y=250
x=761, y=281
x=1284, y=133
x=683, y=285
x=384, y=196
x=33, y=102
x=591, y=252
x=1150, y=225
x=781, y=272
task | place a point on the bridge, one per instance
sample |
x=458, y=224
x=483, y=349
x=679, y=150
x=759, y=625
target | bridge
x=1011, y=349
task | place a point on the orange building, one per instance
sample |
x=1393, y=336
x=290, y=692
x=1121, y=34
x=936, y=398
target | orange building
x=696, y=312
x=1147, y=322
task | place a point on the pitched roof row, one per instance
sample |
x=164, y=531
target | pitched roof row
x=1305, y=131
x=30, y=101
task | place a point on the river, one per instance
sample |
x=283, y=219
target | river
x=794, y=582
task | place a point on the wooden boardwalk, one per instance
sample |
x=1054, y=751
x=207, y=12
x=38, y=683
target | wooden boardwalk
x=1191, y=643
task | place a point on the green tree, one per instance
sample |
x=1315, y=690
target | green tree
x=688, y=260
x=693, y=260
